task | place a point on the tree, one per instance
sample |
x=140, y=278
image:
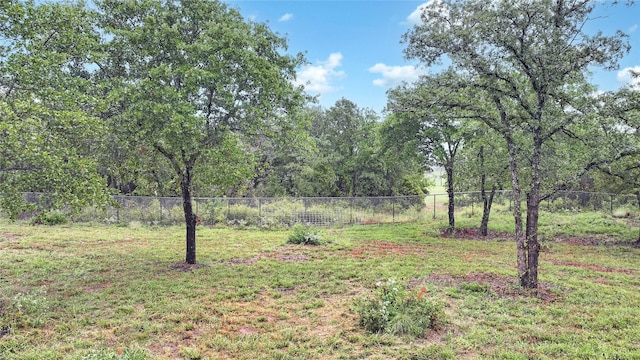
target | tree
x=48, y=129
x=404, y=166
x=529, y=60
x=438, y=129
x=485, y=163
x=624, y=176
x=346, y=136
x=197, y=83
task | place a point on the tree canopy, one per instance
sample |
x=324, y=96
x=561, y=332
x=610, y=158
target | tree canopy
x=522, y=68
x=49, y=130
x=195, y=83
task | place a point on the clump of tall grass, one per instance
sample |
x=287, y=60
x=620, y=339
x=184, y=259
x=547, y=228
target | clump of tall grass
x=396, y=311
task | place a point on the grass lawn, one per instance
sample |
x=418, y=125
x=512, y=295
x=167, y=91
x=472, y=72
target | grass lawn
x=85, y=291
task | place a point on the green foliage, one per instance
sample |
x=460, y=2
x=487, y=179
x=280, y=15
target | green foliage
x=50, y=131
x=304, y=235
x=475, y=287
x=396, y=311
x=50, y=218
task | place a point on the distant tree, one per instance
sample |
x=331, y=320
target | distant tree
x=484, y=163
x=439, y=130
x=403, y=162
x=48, y=132
x=522, y=67
x=197, y=83
x=624, y=176
x=346, y=137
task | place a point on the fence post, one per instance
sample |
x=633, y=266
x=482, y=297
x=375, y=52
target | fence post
x=393, y=210
x=260, y=211
x=351, y=212
x=611, y=203
x=434, y=206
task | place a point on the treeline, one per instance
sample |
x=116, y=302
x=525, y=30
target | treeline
x=340, y=151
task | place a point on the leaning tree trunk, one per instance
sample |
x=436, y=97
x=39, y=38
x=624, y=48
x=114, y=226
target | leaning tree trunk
x=189, y=216
x=452, y=221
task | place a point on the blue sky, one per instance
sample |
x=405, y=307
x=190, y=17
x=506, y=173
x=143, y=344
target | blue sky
x=354, y=50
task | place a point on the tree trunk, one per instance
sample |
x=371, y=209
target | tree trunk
x=452, y=222
x=638, y=200
x=517, y=211
x=487, y=201
x=189, y=216
x=530, y=278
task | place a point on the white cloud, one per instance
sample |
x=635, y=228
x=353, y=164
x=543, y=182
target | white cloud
x=318, y=78
x=286, y=17
x=633, y=29
x=626, y=77
x=394, y=75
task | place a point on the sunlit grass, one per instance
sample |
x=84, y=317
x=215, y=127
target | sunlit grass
x=84, y=291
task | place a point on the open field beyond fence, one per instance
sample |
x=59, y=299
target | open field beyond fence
x=83, y=291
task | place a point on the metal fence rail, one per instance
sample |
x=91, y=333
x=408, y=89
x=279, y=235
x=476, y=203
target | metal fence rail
x=319, y=211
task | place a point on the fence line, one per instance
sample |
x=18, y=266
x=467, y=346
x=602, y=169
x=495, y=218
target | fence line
x=323, y=211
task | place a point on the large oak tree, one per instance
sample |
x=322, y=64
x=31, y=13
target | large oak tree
x=196, y=83
x=522, y=67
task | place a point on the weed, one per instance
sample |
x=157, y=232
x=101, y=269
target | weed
x=303, y=235
x=24, y=310
x=396, y=311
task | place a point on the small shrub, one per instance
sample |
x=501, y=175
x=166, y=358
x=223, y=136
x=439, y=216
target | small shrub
x=396, y=311
x=304, y=236
x=621, y=213
x=50, y=218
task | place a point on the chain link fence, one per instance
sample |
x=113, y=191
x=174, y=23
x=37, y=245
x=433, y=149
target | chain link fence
x=265, y=212
x=274, y=212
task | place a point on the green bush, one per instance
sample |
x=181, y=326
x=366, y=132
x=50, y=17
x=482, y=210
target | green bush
x=396, y=311
x=304, y=236
x=50, y=218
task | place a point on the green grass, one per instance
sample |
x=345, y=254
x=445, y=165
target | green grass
x=85, y=291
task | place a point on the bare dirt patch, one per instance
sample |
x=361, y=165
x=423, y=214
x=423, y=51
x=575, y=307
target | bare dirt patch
x=474, y=234
x=183, y=266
